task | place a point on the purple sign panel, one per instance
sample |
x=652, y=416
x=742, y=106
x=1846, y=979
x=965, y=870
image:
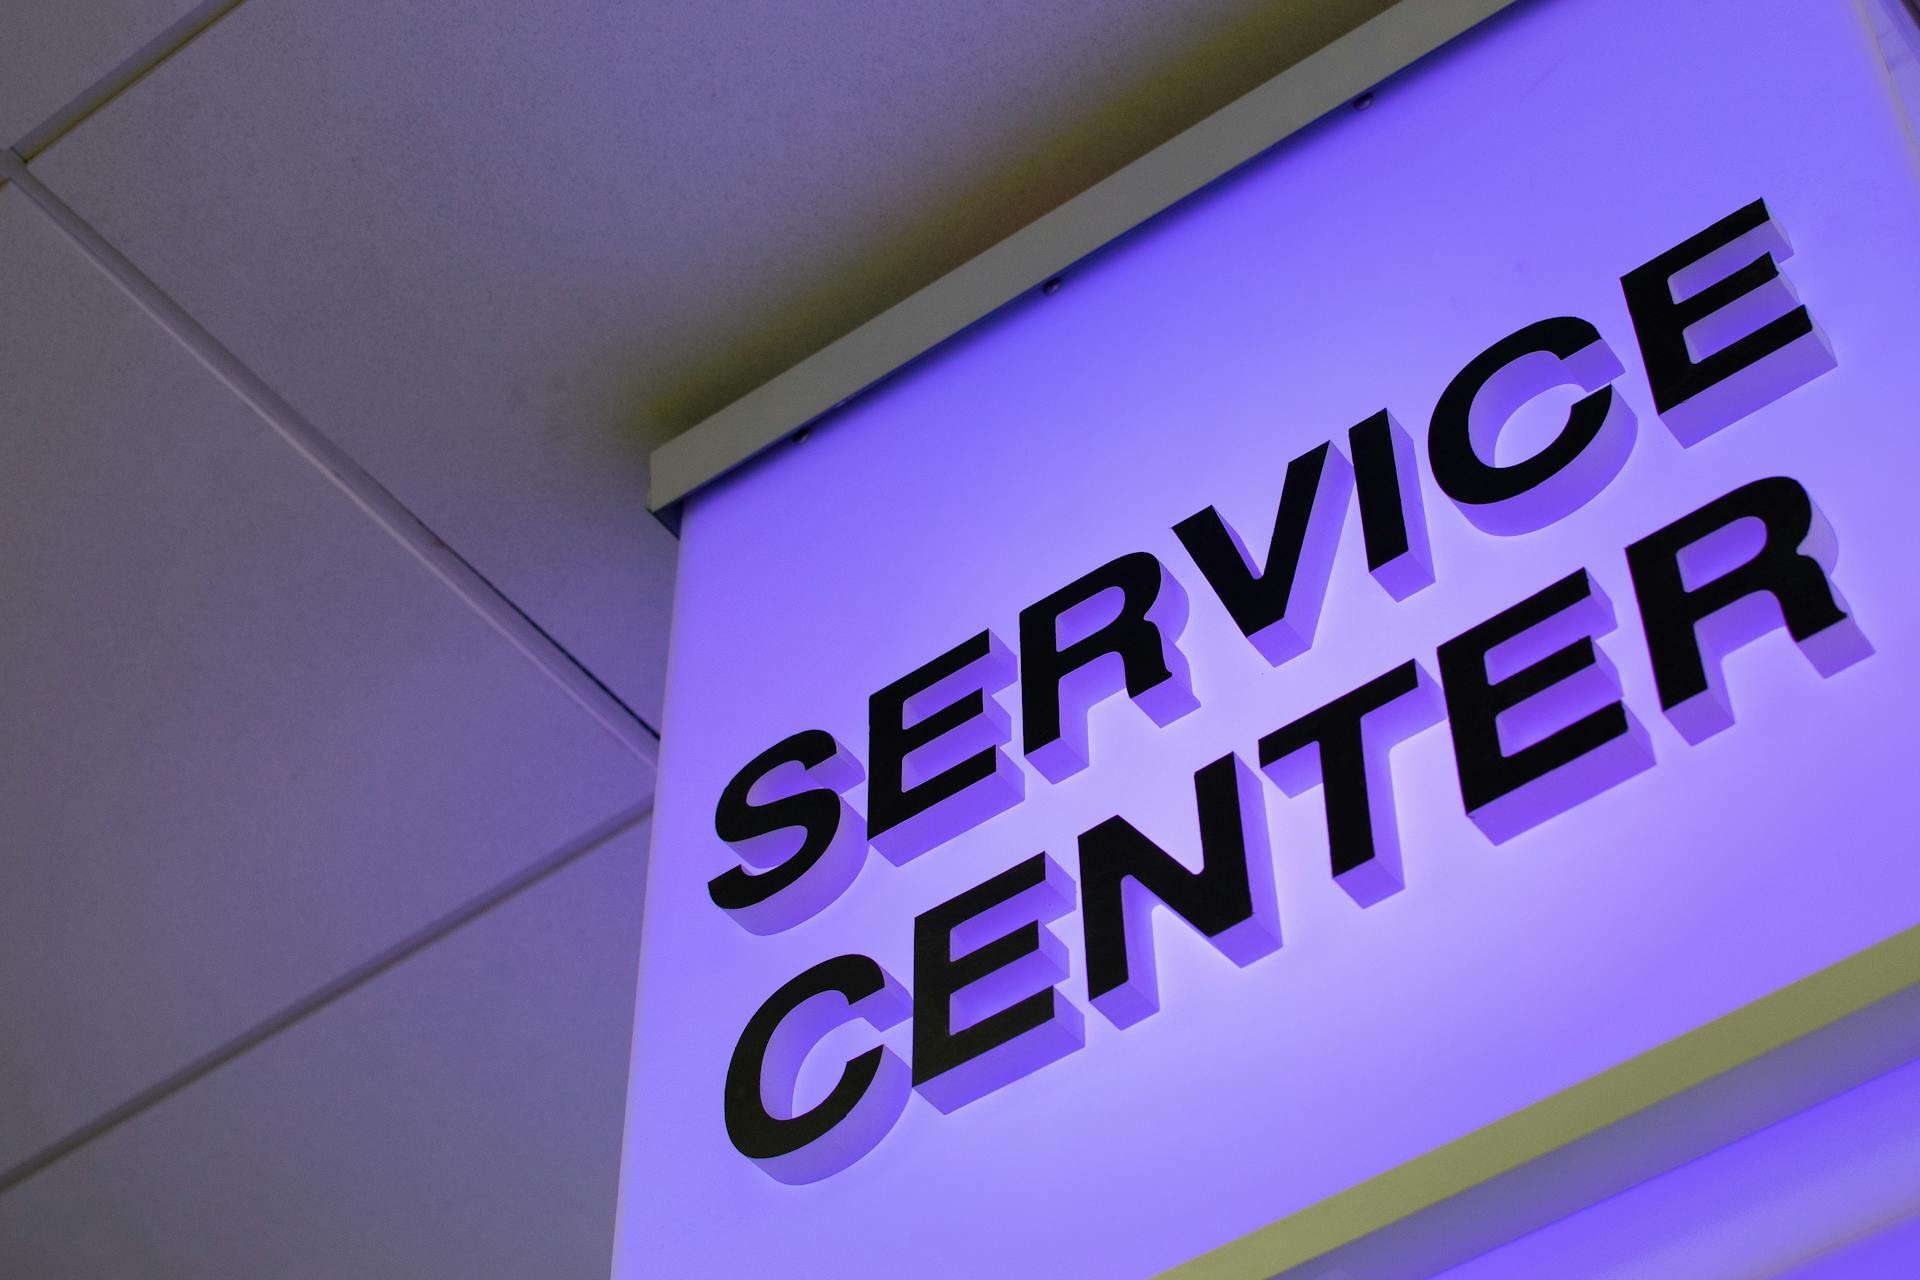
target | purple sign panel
x=1372, y=650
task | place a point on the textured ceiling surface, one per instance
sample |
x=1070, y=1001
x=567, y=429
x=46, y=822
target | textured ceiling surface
x=52, y=50
x=760, y=177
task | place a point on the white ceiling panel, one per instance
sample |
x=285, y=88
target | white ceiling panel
x=457, y=1118
x=53, y=50
x=249, y=740
x=500, y=253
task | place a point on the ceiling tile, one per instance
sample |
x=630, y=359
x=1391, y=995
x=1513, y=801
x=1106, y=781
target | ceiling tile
x=249, y=740
x=457, y=1118
x=501, y=254
x=49, y=53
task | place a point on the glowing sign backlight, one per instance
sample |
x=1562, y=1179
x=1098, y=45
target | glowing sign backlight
x=1370, y=652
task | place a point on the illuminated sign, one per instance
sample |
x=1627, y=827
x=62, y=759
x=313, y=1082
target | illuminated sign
x=1535, y=710
x=1225, y=729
